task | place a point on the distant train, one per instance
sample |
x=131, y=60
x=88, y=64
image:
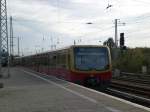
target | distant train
x=82, y=64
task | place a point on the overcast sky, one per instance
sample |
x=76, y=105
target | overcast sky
x=43, y=23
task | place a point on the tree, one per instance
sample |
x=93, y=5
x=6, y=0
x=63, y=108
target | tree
x=109, y=42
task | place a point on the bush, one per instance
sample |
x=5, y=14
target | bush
x=132, y=60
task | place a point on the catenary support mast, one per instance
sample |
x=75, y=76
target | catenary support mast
x=3, y=32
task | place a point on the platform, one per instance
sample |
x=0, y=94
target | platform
x=28, y=91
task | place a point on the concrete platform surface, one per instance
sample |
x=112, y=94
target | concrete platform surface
x=26, y=91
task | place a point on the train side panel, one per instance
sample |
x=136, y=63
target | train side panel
x=61, y=65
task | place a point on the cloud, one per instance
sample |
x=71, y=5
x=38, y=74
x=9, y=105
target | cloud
x=67, y=20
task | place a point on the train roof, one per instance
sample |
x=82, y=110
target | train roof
x=65, y=48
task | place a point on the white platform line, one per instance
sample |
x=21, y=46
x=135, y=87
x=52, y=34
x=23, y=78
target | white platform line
x=110, y=96
x=58, y=85
x=98, y=92
x=116, y=98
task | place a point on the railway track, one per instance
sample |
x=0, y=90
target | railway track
x=124, y=94
x=142, y=90
x=140, y=78
x=135, y=80
x=135, y=75
x=129, y=97
x=131, y=86
x=130, y=91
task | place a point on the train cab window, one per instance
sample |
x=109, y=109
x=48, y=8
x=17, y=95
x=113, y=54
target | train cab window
x=91, y=58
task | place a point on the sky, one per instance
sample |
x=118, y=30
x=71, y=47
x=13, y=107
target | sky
x=44, y=25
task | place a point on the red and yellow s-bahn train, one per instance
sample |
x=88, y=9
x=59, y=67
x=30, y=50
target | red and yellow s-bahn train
x=83, y=64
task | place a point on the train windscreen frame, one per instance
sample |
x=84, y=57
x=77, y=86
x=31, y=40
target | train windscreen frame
x=91, y=58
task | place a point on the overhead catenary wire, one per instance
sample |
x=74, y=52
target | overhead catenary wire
x=144, y=2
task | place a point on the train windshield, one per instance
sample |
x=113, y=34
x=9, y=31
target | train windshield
x=91, y=58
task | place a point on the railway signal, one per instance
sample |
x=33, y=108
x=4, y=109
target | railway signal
x=122, y=42
x=121, y=39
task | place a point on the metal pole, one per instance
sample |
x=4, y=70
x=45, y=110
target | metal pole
x=8, y=57
x=1, y=84
x=0, y=39
x=10, y=41
x=11, y=36
x=116, y=32
x=8, y=67
x=18, y=46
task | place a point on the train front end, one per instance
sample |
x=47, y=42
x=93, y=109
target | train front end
x=91, y=65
